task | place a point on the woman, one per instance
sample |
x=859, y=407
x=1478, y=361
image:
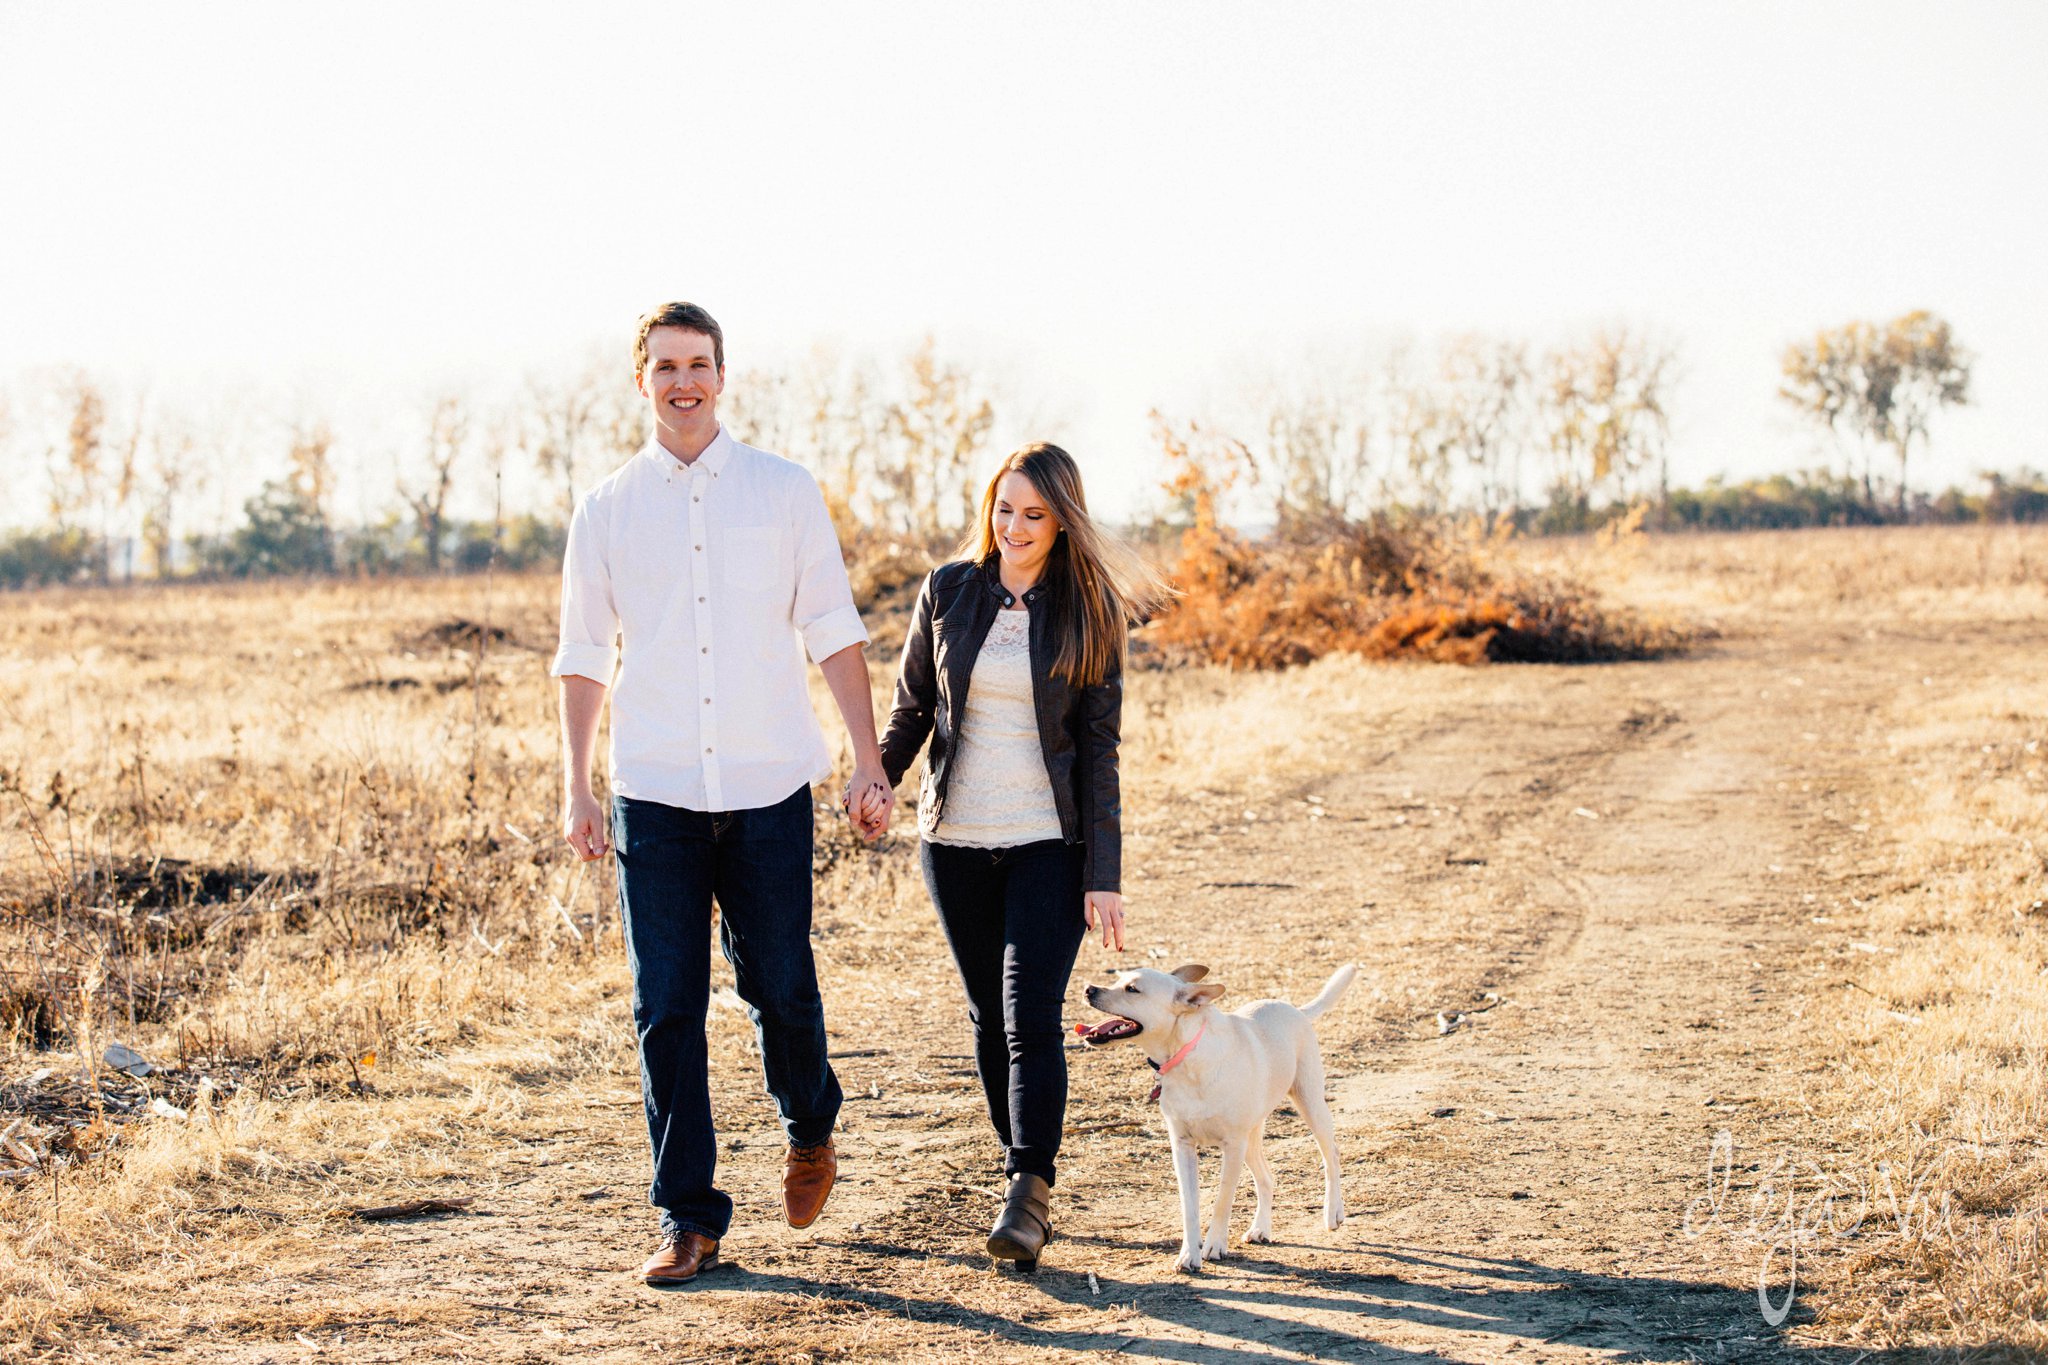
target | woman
x=1014, y=669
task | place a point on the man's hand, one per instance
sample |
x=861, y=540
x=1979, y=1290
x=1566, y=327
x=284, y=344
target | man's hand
x=584, y=826
x=583, y=819
x=868, y=797
x=1106, y=908
x=869, y=801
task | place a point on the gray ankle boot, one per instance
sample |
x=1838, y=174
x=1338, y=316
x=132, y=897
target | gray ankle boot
x=1025, y=1224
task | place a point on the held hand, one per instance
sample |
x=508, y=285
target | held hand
x=1106, y=908
x=868, y=802
x=583, y=825
x=876, y=808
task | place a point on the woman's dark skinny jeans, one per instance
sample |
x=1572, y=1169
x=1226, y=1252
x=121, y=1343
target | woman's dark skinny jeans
x=1013, y=918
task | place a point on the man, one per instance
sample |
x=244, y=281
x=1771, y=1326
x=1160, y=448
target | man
x=705, y=560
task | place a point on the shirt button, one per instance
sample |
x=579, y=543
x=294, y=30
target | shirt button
x=700, y=599
x=705, y=650
x=696, y=547
x=707, y=748
x=707, y=701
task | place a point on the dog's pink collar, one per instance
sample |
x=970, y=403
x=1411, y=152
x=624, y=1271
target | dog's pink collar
x=1177, y=1058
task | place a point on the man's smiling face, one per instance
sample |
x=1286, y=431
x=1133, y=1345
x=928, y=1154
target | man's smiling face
x=682, y=382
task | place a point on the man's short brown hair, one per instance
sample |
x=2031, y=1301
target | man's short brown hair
x=687, y=316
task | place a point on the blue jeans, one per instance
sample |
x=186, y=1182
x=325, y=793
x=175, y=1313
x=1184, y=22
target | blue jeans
x=1013, y=918
x=757, y=864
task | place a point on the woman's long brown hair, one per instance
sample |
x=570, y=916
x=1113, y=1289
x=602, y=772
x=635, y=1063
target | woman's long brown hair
x=1096, y=585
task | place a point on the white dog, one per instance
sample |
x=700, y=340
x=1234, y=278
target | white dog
x=1220, y=1075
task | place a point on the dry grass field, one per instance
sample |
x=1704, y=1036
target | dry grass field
x=1680, y=976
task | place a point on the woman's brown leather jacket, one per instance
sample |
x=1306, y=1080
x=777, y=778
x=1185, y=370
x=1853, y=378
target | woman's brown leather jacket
x=1078, y=728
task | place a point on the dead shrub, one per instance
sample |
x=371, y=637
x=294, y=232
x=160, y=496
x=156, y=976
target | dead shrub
x=460, y=633
x=29, y=1010
x=1390, y=586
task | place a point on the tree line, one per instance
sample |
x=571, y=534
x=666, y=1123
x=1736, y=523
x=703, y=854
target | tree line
x=1551, y=439
x=1562, y=438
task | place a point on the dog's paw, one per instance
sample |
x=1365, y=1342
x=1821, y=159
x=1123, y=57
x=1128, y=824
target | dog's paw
x=1259, y=1235
x=1215, y=1251
x=1333, y=1219
x=1190, y=1261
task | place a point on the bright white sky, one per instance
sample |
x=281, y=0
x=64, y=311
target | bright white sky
x=1114, y=206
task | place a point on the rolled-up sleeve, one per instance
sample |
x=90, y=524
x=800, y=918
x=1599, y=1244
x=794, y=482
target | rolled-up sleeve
x=824, y=610
x=590, y=617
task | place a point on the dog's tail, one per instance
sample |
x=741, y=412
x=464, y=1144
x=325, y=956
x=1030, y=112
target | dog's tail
x=1333, y=992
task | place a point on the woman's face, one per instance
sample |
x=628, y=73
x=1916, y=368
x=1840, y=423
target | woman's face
x=1024, y=526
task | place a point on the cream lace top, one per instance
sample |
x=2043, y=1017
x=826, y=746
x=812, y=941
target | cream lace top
x=999, y=795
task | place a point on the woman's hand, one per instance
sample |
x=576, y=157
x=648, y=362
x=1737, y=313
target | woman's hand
x=1106, y=908
x=868, y=801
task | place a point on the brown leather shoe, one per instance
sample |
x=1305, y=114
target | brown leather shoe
x=681, y=1258
x=807, y=1176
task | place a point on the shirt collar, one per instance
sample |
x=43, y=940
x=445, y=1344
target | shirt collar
x=994, y=579
x=714, y=457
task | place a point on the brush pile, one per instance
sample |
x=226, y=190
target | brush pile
x=1387, y=586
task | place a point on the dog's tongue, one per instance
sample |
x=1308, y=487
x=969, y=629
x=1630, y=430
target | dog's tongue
x=1113, y=1027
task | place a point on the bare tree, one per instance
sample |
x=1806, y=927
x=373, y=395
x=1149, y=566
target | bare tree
x=126, y=443
x=1933, y=373
x=175, y=470
x=576, y=424
x=447, y=434
x=839, y=431
x=1828, y=381
x=1604, y=411
x=760, y=406
x=1881, y=384
x=1567, y=421
x=1425, y=433
x=934, y=429
x=311, y=479
x=892, y=449
x=830, y=414
x=1486, y=384
x=1318, y=449
x=75, y=464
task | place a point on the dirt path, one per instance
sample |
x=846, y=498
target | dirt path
x=1610, y=871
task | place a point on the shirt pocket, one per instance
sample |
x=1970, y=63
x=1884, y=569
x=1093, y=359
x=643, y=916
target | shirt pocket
x=751, y=560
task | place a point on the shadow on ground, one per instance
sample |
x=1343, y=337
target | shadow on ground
x=1212, y=1318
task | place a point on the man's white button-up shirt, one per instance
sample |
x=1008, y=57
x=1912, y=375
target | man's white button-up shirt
x=694, y=583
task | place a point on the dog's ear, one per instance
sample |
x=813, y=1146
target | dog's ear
x=1192, y=972
x=1191, y=998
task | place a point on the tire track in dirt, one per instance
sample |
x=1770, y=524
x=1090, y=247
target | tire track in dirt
x=1578, y=1115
